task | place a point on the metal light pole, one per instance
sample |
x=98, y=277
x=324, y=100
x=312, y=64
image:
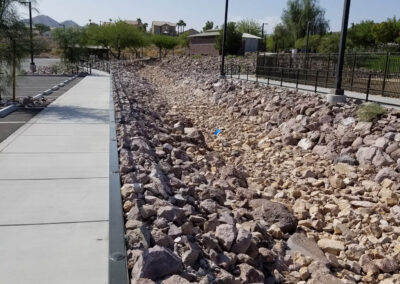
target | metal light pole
x=32, y=66
x=337, y=94
x=224, y=40
x=308, y=35
x=263, y=36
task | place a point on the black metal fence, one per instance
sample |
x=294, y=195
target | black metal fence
x=377, y=73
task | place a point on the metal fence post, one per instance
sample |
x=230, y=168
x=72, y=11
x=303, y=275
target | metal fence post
x=231, y=70
x=268, y=76
x=353, y=70
x=326, y=79
x=239, y=71
x=316, y=82
x=368, y=86
x=247, y=72
x=256, y=74
x=297, y=79
x=385, y=74
x=281, y=77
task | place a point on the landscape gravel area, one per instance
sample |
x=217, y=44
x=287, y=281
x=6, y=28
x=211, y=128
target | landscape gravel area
x=227, y=181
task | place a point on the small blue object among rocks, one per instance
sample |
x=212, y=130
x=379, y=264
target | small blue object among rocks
x=218, y=131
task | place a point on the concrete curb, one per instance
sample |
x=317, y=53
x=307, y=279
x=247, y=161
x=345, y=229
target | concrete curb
x=7, y=110
x=39, y=96
x=47, y=92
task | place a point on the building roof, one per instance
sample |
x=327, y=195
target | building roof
x=246, y=35
x=161, y=23
x=206, y=34
x=210, y=33
x=133, y=23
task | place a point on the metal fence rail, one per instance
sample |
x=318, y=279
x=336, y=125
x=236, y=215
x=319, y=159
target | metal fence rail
x=377, y=74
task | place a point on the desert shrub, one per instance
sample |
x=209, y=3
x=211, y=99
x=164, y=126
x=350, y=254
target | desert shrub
x=370, y=111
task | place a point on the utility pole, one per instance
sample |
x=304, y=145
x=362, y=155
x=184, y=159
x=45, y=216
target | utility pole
x=224, y=40
x=308, y=35
x=337, y=94
x=32, y=66
x=263, y=36
x=14, y=67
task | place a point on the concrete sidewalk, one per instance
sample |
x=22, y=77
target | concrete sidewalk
x=54, y=182
x=386, y=101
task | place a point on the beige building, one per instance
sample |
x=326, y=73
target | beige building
x=163, y=28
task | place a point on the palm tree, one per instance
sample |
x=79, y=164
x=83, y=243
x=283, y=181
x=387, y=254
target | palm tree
x=180, y=25
x=183, y=26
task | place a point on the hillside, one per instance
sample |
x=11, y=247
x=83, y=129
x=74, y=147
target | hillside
x=50, y=22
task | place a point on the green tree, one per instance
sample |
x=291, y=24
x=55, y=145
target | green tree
x=71, y=41
x=181, y=26
x=184, y=40
x=249, y=26
x=14, y=41
x=313, y=44
x=233, y=39
x=298, y=13
x=209, y=26
x=282, y=38
x=360, y=35
x=329, y=43
x=386, y=32
x=164, y=43
x=42, y=28
x=117, y=37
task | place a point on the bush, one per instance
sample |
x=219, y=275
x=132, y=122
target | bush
x=196, y=56
x=370, y=111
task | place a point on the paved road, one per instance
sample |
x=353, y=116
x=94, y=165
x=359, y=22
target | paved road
x=54, y=181
x=33, y=85
x=15, y=120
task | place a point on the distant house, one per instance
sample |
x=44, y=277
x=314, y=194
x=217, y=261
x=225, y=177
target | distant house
x=163, y=28
x=135, y=23
x=192, y=32
x=204, y=43
x=251, y=42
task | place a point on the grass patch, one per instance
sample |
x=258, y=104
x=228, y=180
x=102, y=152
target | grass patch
x=370, y=111
x=196, y=56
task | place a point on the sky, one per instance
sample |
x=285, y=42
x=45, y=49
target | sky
x=196, y=12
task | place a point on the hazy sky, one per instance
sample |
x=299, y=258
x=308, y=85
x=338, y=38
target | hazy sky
x=196, y=12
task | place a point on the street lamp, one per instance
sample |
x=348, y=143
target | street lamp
x=337, y=94
x=308, y=35
x=32, y=66
x=263, y=36
x=224, y=40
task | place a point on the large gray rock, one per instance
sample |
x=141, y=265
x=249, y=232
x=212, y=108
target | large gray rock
x=243, y=241
x=388, y=173
x=365, y=155
x=272, y=212
x=156, y=263
x=175, y=279
x=299, y=242
x=226, y=235
x=171, y=213
x=321, y=274
x=160, y=186
x=248, y=274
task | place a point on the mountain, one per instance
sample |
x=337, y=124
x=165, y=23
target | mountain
x=50, y=22
x=69, y=24
x=44, y=20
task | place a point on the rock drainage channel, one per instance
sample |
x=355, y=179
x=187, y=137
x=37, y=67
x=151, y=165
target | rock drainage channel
x=209, y=205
